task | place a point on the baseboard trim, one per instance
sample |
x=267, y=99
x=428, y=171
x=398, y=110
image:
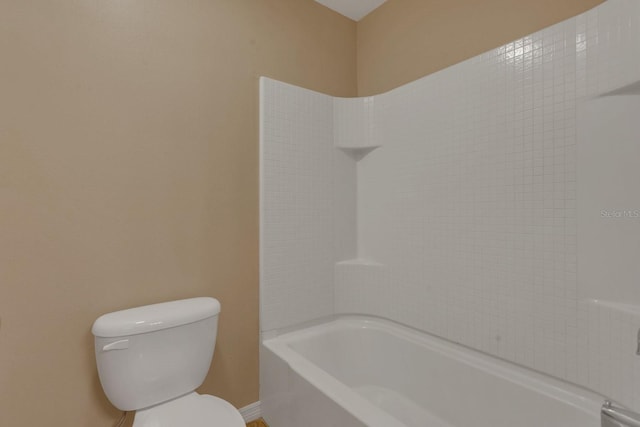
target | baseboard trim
x=251, y=412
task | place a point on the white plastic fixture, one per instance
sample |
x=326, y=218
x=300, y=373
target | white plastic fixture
x=151, y=359
x=360, y=371
x=354, y=9
x=148, y=355
x=155, y=317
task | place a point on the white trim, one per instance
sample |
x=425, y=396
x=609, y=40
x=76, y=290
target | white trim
x=261, y=198
x=251, y=412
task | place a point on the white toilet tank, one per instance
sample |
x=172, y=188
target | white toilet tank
x=152, y=354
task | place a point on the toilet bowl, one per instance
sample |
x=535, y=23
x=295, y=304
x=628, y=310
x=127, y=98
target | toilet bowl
x=151, y=359
x=192, y=410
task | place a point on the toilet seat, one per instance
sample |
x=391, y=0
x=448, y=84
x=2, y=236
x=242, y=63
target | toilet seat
x=191, y=410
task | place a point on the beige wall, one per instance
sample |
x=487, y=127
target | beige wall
x=129, y=175
x=404, y=40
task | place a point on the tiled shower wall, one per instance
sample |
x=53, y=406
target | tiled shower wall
x=451, y=204
x=296, y=253
x=307, y=205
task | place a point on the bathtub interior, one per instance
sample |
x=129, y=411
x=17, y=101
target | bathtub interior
x=420, y=380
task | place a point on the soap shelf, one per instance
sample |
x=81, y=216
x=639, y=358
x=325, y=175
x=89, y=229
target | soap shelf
x=360, y=261
x=358, y=153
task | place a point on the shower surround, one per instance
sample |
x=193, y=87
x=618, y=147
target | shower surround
x=461, y=204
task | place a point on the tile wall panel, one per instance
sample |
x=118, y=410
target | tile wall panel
x=297, y=205
x=466, y=215
x=353, y=121
x=470, y=204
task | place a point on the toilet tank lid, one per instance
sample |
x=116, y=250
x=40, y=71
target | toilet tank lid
x=155, y=317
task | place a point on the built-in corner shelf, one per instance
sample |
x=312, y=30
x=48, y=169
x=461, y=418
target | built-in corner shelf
x=630, y=89
x=359, y=262
x=614, y=306
x=358, y=153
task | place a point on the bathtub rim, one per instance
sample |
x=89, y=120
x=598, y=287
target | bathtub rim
x=279, y=342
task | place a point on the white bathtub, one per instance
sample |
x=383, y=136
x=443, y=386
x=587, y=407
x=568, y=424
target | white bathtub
x=357, y=371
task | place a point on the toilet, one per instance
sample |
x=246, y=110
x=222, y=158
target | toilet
x=151, y=359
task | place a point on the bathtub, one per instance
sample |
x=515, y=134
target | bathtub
x=358, y=371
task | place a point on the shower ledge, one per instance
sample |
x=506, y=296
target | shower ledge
x=358, y=153
x=360, y=261
x=632, y=309
x=630, y=89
